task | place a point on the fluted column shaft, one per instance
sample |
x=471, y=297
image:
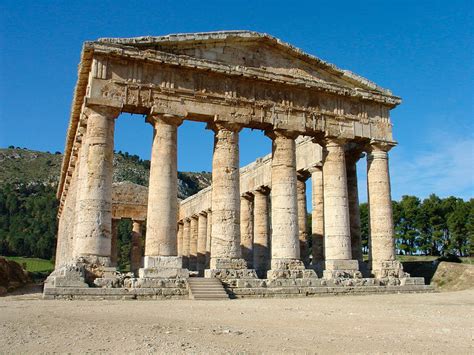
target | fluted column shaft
x=201, y=242
x=163, y=189
x=136, y=252
x=336, y=206
x=354, y=213
x=302, y=215
x=225, y=196
x=317, y=214
x=193, y=243
x=261, y=232
x=284, y=209
x=93, y=226
x=246, y=228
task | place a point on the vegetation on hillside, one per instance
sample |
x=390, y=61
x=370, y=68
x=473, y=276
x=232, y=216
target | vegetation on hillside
x=434, y=226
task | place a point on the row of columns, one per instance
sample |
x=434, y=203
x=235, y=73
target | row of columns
x=222, y=234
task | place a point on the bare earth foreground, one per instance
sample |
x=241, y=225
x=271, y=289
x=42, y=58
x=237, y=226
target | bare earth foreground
x=437, y=322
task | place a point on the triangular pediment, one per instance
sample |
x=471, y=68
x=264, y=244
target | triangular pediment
x=252, y=50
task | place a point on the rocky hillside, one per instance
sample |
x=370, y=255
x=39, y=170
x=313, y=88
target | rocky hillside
x=19, y=165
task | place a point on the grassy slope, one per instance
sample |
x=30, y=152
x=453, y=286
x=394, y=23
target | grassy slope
x=33, y=264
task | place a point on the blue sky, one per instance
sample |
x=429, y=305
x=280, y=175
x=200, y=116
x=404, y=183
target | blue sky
x=422, y=50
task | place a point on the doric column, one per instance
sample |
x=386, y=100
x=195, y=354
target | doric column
x=246, y=228
x=302, y=215
x=225, y=197
x=114, y=243
x=336, y=213
x=179, y=238
x=284, y=208
x=317, y=215
x=352, y=156
x=93, y=224
x=208, y=239
x=201, y=242
x=382, y=245
x=186, y=241
x=193, y=242
x=261, y=232
x=136, y=252
x=162, y=194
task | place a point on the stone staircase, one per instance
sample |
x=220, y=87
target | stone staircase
x=201, y=288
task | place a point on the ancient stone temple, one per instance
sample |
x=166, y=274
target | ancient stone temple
x=249, y=228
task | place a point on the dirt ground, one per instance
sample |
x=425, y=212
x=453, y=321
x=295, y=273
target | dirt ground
x=396, y=323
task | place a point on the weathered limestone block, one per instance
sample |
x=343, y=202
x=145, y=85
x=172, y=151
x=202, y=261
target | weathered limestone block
x=382, y=245
x=225, y=274
x=93, y=224
x=163, y=267
x=163, y=189
x=67, y=276
x=246, y=228
x=134, y=283
x=201, y=243
x=261, y=244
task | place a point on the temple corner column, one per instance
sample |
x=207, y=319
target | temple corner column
x=382, y=261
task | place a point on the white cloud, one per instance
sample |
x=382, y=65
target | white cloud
x=446, y=169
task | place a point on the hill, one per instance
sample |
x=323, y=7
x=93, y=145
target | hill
x=28, y=205
x=24, y=166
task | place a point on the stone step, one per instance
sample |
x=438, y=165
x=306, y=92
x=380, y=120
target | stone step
x=201, y=288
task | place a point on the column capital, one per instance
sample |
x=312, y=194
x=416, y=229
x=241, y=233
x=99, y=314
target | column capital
x=316, y=168
x=203, y=213
x=265, y=190
x=107, y=111
x=247, y=196
x=217, y=125
x=154, y=118
x=181, y=221
x=303, y=175
x=273, y=134
x=380, y=146
x=330, y=142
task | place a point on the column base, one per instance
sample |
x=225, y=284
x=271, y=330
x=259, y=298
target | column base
x=289, y=269
x=231, y=268
x=341, y=269
x=163, y=267
x=387, y=269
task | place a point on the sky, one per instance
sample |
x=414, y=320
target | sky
x=421, y=50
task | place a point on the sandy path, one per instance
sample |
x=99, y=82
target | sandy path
x=438, y=322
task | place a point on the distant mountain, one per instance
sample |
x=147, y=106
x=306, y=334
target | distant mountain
x=24, y=166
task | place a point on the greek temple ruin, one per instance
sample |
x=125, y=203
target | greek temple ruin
x=249, y=229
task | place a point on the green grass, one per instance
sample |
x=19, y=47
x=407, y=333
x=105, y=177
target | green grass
x=33, y=264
